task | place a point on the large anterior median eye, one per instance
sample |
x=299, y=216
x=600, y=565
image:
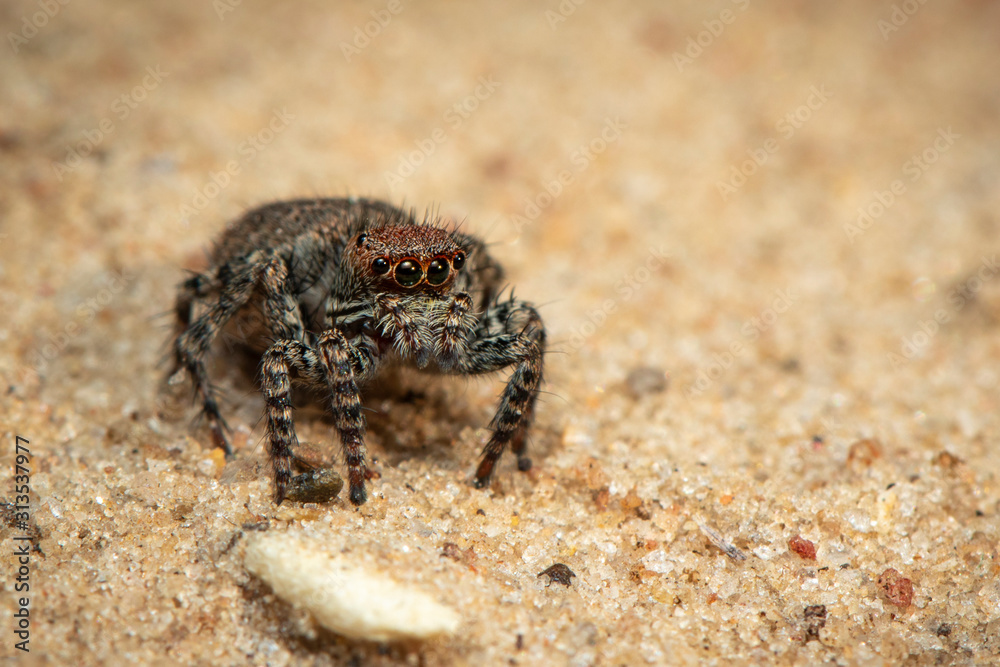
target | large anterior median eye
x=408, y=273
x=437, y=271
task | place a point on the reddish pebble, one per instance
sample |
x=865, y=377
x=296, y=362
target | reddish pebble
x=601, y=499
x=947, y=460
x=802, y=547
x=864, y=452
x=897, y=588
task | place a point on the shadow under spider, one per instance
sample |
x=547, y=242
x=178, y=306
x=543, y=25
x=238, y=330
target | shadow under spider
x=409, y=413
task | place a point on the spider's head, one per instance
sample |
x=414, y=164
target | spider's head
x=407, y=258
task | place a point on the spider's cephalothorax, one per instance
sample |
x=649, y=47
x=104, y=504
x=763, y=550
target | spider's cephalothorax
x=344, y=285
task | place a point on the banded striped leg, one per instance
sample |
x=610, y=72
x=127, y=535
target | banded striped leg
x=284, y=317
x=194, y=342
x=281, y=308
x=344, y=365
x=279, y=359
x=510, y=334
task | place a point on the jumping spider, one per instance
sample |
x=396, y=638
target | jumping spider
x=345, y=285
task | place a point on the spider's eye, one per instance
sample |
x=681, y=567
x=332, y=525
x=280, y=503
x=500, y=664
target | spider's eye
x=408, y=273
x=380, y=265
x=459, y=261
x=438, y=271
x=361, y=239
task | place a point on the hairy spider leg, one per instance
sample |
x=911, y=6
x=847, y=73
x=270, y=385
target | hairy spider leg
x=345, y=363
x=510, y=333
x=278, y=360
x=194, y=342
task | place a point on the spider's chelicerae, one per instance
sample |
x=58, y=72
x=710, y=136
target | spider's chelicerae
x=345, y=285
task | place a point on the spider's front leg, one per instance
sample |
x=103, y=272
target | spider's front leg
x=509, y=333
x=345, y=363
x=334, y=364
x=290, y=351
x=276, y=386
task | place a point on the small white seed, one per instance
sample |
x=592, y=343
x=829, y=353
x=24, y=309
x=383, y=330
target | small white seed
x=343, y=596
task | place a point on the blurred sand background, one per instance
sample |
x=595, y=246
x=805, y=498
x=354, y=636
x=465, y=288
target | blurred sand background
x=786, y=211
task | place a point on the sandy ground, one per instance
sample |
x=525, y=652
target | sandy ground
x=764, y=240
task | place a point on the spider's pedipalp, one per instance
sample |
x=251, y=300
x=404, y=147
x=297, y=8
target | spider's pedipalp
x=457, y=322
